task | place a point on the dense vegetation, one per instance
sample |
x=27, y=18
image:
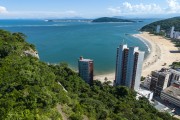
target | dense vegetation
x=31, y=89
x=176, y=65
x=27, y=86
x=165, y=25
x=108, y=19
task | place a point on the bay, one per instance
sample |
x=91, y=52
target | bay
x=67, y=41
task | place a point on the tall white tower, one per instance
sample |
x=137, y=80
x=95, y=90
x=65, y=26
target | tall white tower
x=129, y=63
x=172, y=32
x=158, y=28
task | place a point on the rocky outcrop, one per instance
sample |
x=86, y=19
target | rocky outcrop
x=31, y=53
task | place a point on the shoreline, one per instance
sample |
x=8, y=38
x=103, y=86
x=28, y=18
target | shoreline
x=161, y=55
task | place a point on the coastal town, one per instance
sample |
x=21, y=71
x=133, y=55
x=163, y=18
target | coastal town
x=160, y=81
x=90, y=60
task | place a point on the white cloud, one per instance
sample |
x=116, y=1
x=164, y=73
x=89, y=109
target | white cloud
x=128, y=8
x=173, y=6
x=3, y=9
x=141, y=8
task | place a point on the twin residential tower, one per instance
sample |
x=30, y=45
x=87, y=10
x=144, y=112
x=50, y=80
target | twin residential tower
x=129, y=63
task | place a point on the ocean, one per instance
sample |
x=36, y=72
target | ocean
x=66, y=41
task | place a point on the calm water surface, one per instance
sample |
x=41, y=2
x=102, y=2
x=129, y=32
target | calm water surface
x=66, y=41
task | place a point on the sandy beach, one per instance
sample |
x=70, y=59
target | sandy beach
x=162, y=54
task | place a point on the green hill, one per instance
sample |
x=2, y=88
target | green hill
x=165, y=25
x=108, y=19
x=33, y=90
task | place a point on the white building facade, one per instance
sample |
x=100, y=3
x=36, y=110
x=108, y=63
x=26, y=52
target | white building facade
x=129, y=63
x=172, y=32
x=158, y=28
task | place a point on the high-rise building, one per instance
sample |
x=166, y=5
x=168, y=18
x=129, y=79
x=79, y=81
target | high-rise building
x=159, y=81
x=85, y=67
x=162, y=79
x=176, y=35
x=129, y=63
x=172, y=32
x=158, y=28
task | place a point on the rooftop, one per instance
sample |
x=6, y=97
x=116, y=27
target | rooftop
x=143, y=91
x=178, y=69
x=165, y=71
x=175, y=71
x=162, y=108
x=173, y=91
x=85, y=60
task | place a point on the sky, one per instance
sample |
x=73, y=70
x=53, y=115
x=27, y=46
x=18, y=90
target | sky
x=10, y=9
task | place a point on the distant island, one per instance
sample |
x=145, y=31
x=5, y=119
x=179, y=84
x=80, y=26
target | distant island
x=101, y=19
x=109, y=19
x=68, y=20
x=165, y=25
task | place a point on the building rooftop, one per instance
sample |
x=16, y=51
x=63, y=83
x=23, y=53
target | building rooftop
x=85, y=60
x=177, y=82
x=173, y=91
x=164, y=71
x=143, y=91
x=174, y=71
x=162, y=108
x=178, y=69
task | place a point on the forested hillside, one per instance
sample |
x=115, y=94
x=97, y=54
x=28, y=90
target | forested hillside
x=165, y=25
x=31, y=90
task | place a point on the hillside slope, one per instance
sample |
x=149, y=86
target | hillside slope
x=165, y=25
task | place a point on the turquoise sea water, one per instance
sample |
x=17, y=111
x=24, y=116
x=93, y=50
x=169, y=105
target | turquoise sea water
x=67, y=41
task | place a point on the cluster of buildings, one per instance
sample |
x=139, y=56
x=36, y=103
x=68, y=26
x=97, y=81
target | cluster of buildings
x=171, y=33
x=129, y=63
x=165, y=84
x=174, y=34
